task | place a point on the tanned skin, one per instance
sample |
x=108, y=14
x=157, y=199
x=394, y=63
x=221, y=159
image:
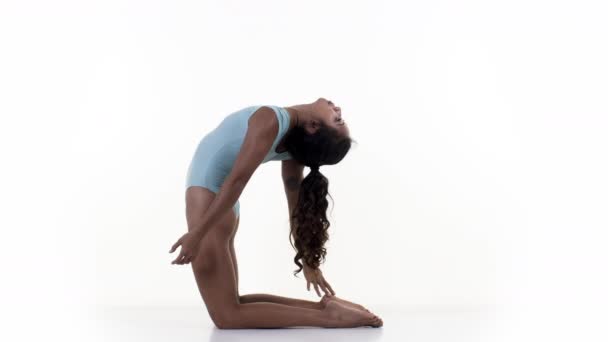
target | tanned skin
x=209, y=247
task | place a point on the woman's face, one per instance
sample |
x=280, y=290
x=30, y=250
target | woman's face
x=331, y=115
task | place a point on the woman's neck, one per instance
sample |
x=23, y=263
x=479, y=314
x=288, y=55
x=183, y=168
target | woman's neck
x=300, y=114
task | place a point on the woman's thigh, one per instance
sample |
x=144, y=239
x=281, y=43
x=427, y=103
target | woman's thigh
x=233, y=254
x=198, y=200
x=213, y=266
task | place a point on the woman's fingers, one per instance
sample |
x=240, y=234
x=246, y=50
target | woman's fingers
x=180, y=258
x=175, y=245
x=308, y=285
x=317, y=289
x=324, y=287
x=333, y=293
x=191, y=258
x=176, y=261
x=321, y=285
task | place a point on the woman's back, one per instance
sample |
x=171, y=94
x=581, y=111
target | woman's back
x=217, y=150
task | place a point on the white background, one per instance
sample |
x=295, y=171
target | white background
x=478, y=181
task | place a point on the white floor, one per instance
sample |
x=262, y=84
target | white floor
x=193, y=324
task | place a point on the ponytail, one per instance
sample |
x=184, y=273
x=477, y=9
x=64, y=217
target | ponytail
x=309, y=220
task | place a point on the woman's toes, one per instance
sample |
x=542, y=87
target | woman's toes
x=376, y=322
x=324, y=300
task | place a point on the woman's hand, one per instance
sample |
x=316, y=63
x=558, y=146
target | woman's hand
x=189, y=242
x=315, y=276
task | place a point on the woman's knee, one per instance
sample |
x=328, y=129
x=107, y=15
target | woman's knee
x=227, y=317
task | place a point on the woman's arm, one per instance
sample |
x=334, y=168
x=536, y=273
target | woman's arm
x=262, y=130
x=293, y=173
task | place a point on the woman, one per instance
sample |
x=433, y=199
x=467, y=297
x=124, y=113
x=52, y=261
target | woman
x=312, y=135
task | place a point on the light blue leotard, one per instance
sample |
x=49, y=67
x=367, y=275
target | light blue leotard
x=217, y=151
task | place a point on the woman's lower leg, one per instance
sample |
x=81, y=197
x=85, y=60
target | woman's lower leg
x=271, y=315
x=264, y=297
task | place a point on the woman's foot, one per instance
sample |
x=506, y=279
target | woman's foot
x=327, y=298
x=342, y=316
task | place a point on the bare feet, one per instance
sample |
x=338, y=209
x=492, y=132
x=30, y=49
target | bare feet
x=326, y=299
x=342, y=316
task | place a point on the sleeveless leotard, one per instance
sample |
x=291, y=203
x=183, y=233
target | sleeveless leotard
x=217, y=151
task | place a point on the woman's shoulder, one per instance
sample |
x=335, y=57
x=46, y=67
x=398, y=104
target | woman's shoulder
x=265, y=117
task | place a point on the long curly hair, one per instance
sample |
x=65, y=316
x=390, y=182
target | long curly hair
x=308, y=219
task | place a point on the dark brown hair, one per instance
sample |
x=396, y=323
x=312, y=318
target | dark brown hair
x=309, y=222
